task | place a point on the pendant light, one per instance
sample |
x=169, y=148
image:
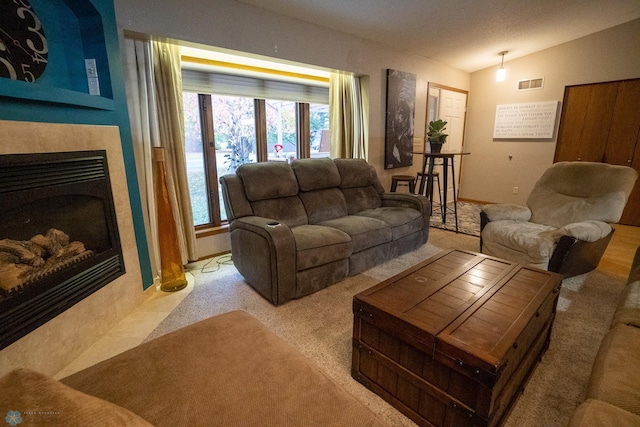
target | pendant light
x=502, y=73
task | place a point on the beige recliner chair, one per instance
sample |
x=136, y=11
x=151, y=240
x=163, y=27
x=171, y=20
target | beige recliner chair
x=566, y=225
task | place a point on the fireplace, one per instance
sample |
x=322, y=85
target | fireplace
x=59, y=239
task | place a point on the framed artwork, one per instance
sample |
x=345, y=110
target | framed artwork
x=400, y=117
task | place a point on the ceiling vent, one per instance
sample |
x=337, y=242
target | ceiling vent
x=531, y=84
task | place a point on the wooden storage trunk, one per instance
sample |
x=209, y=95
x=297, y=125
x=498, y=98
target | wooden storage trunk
x=451, y=341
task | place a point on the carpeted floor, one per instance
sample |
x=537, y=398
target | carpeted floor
x=320, y=326
x=468, y=218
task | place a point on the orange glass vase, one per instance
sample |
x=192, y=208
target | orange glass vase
x=172, y=270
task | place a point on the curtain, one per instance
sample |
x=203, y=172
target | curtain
x=144, y=132
x=154, y=97
x=347, y=116
x=168, y=86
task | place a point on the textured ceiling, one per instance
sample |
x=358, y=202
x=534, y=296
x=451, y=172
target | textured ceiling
x=466, y=34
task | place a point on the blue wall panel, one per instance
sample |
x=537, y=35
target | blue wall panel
x=61, y=95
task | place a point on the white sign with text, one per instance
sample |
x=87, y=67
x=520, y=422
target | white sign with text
x=529, y=120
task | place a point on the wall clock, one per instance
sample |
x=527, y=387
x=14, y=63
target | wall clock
x=24, y=49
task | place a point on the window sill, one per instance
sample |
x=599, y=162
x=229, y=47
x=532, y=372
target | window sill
x=212, y=231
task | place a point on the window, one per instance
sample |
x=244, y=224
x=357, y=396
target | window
x=240, y=110
x=223, y=132
x=319, y=130
x=194, y=153
x=282, y=135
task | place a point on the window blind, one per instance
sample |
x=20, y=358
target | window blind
x=252, y=87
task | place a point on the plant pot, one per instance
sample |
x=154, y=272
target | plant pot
x=436, y=147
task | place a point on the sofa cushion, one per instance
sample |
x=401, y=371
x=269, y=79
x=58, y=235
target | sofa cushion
x=267, y=180
x=524, y=242
x=317, y=245
x=361, y=198
x=365, y=232
x=325, y=204
x=316, y=174
x=288, y=210
x=570, y=192
x=354, y=173
x=41, y=400
x=358, y=185
x=616, y=371
x=595, y=413
x=228, y=370
x=403, y=221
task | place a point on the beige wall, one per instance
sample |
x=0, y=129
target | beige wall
x=232, y=25
x=488, y=174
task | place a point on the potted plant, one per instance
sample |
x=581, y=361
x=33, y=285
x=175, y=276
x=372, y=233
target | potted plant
x=436, y=135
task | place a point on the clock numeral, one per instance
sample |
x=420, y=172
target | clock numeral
x=28, y=75
x=39, y=58
x=22, y=3
x=22, y=12
x=7, y=64
x=10, y=69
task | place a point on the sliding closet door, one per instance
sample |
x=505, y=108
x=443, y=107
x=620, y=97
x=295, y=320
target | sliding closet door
x=587, y=111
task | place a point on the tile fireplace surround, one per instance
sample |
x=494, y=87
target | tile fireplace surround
x=55, y=344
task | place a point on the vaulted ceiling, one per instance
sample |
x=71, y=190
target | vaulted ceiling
x=466, y=34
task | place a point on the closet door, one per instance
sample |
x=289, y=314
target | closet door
x=623, y=145
x=601, y=123
x=587, y=111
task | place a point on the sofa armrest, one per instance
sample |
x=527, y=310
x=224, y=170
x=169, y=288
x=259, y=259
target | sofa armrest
x=594, y=412
x=260, y=224
x=634, y=274
x=628, y=311
x=264, y=252
x=415, y=201
x=502, y=211
x=506, y=211
x=587, y=231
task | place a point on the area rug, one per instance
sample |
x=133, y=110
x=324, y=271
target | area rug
x=468, y=218
x=320, y=326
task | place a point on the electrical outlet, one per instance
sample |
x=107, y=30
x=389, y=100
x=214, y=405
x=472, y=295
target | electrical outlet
x=515, y=190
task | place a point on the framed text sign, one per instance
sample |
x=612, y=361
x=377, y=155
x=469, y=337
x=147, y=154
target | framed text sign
x=534, y=120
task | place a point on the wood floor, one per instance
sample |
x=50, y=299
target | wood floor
x=617, y=259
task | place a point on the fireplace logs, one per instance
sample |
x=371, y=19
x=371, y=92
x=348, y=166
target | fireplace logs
x=23, y=263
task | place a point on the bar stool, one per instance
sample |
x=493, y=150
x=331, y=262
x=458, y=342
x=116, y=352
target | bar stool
x=436, y=177
x=406, y=180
